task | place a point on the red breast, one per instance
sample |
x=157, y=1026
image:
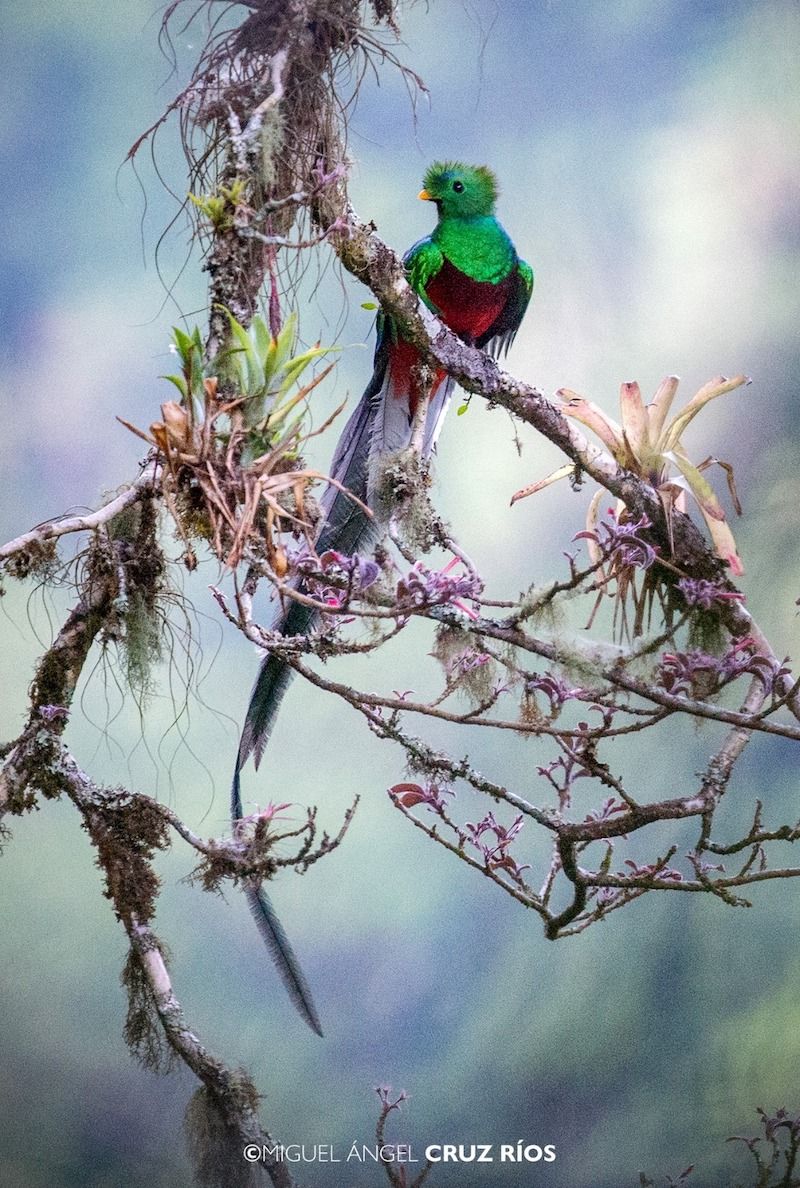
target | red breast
x=468, y=307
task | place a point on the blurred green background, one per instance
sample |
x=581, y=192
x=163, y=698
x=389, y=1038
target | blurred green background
x=648, y=155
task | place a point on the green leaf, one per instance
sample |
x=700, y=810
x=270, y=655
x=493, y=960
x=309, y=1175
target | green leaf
x=183, y=342
x=240, y=335
x=296, y=366
x=284, y=344
x=253, y=372
x=462, y=408
x=262, y=339
x=179, y=382
x=282, y=411
x=269, y=362
x=368, y=305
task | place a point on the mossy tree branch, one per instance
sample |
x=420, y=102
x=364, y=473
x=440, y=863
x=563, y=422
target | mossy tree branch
x=266, y=100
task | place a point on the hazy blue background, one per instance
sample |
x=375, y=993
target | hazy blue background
x=647, y=151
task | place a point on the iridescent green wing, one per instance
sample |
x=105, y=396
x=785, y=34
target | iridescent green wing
x=500, y=335
x=422, y=262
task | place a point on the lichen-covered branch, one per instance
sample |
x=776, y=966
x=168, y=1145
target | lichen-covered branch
x=264, y=121
x=503, y=693
x=43, y=537
x=363, y=253
x=126, y=830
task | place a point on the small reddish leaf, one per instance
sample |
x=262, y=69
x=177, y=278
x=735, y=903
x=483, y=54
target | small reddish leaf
x=408, y=794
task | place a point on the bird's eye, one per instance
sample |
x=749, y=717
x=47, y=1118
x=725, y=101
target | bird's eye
x=458, y=187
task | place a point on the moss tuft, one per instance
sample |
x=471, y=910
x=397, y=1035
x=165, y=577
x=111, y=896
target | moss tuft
x=143, y=580
x=215, y=1147
x=127, y=832
x=707, y=633
x=402, y=491
x=38, y=559
x=143, y=1032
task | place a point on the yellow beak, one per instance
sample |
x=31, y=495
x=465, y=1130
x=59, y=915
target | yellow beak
x=425, y=196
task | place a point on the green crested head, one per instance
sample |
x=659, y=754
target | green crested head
x=460, y=191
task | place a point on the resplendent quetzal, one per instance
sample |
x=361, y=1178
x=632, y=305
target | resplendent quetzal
x=469, y=274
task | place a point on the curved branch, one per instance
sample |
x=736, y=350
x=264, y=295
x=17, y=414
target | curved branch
x=232, y=1093
x=51, y=530
x=364, y=254
x=57, y=674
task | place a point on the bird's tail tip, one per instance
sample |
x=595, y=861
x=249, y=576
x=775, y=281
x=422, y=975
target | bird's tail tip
x=282, y=954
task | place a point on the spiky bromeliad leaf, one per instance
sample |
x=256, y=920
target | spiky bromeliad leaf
x=643, y=444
